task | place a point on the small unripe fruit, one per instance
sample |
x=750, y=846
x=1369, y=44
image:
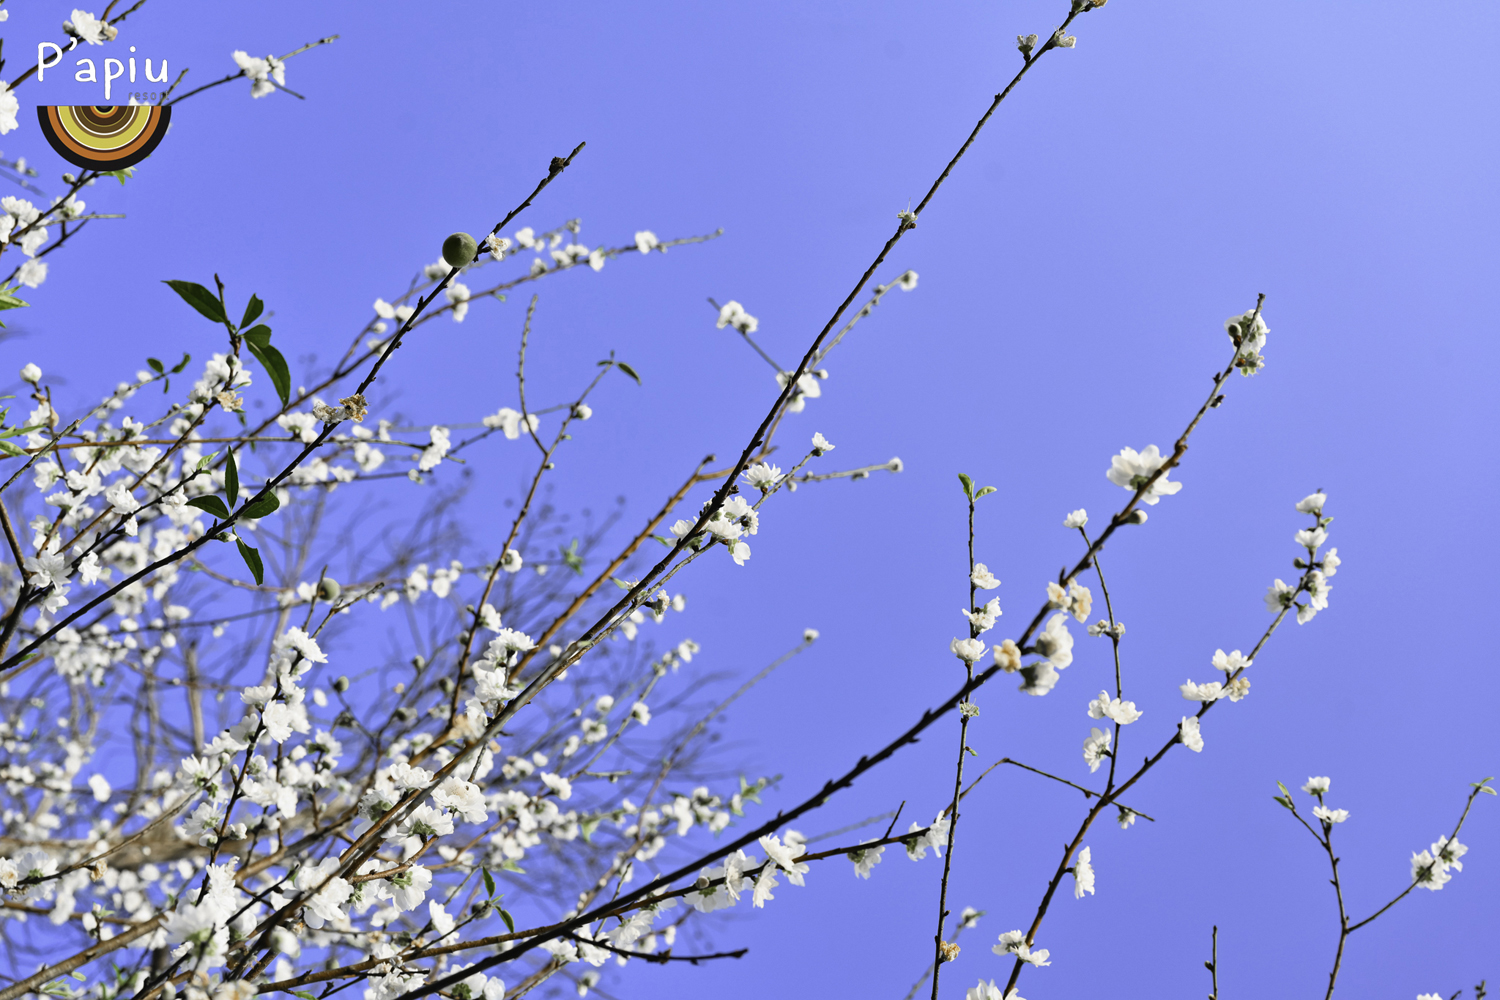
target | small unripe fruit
x=329, y=590
x=341, y=685
x=459, y=249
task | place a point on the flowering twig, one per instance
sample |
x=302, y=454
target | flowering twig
x=242, y=73
x=944, y=951
x=1428, y=870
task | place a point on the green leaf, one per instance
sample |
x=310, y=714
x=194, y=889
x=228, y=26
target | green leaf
x=304, y=994
x=203, y=462
x=177, y=368
x=571, y=557
x=261, y=506
x=510, y=923
x=511, y=866
x=231, y=479
x=253, y=308
x=620, y=583
x=662, y=540
x=212, y=504
x=1284, y=803
x=489, y=881
x=120, y=175
x=8, y=298
x=968, y=485
x=628, y=371
x=199, y=298
x=274, y=364
x=984, y=491
x=6, y=448
x=156, y=365
x=259, y=334
x=252, y=560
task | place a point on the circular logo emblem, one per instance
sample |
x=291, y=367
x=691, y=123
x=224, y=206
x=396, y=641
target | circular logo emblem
x=104, y=138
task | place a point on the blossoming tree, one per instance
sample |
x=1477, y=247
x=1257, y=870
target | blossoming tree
x=209, y=789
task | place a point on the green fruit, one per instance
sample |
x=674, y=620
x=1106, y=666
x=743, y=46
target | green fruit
x=329, y=590
x=459, y=249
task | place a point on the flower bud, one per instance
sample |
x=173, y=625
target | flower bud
x=1137, y=516
x=329, y=590
x=459, y=249
x=31, y=373
x=341, y=685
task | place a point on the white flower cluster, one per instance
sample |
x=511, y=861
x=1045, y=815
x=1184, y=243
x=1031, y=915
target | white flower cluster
x=265, y=75
x=562, y=248
x=734, y=519
x=1429, y=868
x=1316, y=571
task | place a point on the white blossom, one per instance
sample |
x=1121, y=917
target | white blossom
x=10, y=106
x=1330, y=816
x=1449, y=851
x=1279, y=595
x=982, y=578
x=408, y=888
x=1230, y=662
x=1312, y=503
x=561, y=786
x=260, y=71
x=1096, y=748
x=463, y=797
x=865, y=859
x=1429, y=872
x=968, y=650
x=763, y=476
x=89, y=28
x=1014, y=943
x=983, y=617
x=1190, y=735
x=1077, y=519
x=1132, y=469
x=1039, y=678
x=32, y=272
x=1311, y=538
x=1083, y=875
x=1055, y=642
x=1105, y=707
x=733, y=314
x=1210, y=691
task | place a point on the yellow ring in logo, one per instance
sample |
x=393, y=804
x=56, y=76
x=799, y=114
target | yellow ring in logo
x=101, y=137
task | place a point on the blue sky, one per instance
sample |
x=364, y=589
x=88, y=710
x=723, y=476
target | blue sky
x=1075, y=274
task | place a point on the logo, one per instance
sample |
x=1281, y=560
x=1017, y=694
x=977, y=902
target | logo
x=104, y=138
